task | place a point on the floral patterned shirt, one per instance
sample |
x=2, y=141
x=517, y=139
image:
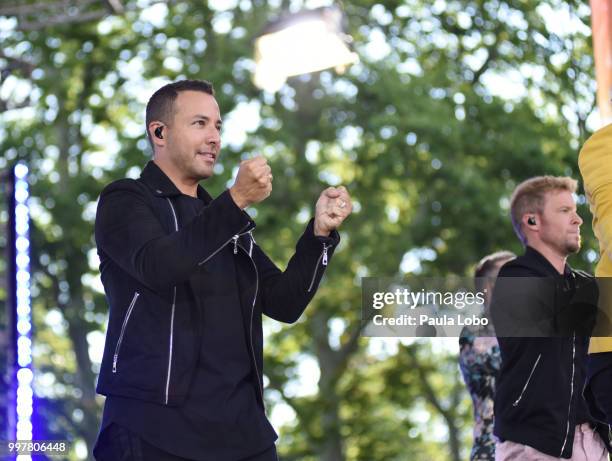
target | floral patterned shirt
x=480, y=361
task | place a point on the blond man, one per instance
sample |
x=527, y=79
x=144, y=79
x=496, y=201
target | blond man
x=536, y=308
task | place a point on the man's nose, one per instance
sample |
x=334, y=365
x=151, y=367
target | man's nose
x=577, y=219
x=213, y=137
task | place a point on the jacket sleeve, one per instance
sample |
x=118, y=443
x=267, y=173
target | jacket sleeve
x=594, y=161
x=286, y=294
x=129, y=232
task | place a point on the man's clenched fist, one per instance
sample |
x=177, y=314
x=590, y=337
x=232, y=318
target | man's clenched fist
x=332, y=208
x=253, y=182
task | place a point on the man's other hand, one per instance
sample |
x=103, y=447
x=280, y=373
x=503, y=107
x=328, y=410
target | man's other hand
x=333, y=207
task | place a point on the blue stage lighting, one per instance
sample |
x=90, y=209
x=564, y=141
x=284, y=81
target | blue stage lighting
x=25, y=395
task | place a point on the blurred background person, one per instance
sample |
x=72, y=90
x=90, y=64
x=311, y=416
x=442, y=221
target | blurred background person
x=479, y=360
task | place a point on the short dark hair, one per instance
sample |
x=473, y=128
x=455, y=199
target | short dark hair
x=161, y=104
x=486, y=266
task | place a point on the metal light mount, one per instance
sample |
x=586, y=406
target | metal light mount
x=300, y=43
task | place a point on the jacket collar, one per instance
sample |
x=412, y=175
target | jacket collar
x=540, y=261
x=162, y=186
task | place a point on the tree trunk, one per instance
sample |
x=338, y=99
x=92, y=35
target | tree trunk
x=331, y=367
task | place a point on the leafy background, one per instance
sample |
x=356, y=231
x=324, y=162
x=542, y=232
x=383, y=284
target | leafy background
x=451, y=105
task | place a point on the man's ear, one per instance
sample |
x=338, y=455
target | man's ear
x=156, y=133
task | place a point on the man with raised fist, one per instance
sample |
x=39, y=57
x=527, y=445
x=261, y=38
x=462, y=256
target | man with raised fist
x=187, y=285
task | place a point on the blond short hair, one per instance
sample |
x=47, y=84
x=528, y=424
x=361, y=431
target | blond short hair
x=530, y=196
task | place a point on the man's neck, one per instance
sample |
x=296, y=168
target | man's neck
x=556, y=259
x=186, y=186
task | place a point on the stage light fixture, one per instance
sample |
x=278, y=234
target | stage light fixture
x=300, y=43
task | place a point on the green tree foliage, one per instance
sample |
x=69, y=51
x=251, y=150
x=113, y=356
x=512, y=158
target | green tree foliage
x=426, y=131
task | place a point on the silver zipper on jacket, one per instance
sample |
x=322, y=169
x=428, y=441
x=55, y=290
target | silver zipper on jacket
x=123, y=326
x=516, y=402
x=251, y=321
x=234, y=238
x=322, y=259
x=171, y=344
x=251, y=243
x=251, y=328
x=569, y=408
x=176, y=228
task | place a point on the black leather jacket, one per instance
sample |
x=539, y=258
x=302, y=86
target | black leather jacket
x=542, y=320
x=147, y=262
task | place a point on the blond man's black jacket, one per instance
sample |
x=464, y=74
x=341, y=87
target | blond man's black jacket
x=542, y=320
x=148, y=259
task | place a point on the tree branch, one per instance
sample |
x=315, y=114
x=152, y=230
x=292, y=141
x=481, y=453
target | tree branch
x=15, y=63
x=5, y=107
x=351, y=344
x=114, y=6
x=491, y=54
x=430, y=395
x=34, y=8
x=63, y=19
